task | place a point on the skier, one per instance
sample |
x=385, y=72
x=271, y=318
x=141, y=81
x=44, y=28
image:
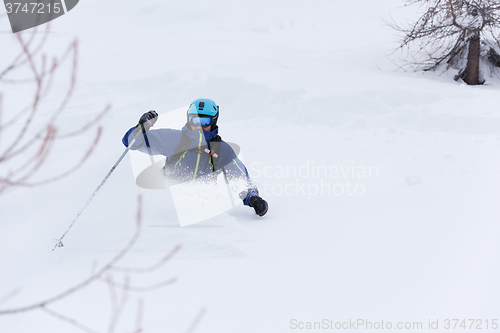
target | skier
x=196, y=152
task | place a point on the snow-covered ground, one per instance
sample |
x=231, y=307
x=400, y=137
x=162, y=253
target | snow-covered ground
x=382, y=184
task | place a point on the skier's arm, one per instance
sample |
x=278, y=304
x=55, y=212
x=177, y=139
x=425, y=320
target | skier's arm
x=152, y=140
x=155, y=142
x=161, y=141
x=236, y=172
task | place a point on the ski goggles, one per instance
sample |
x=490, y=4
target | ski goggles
x=197, y=120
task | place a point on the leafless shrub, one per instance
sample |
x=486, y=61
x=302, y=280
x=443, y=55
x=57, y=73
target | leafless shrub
x=118, y=292
x=453, y=33
x=26, y=137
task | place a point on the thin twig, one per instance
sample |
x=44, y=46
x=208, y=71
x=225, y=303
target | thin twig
x=9, y=295
x=150, y=268
x=196, y=321
x=141, y=289
x=89, y=280
x=116, y=314
x=140, y=314
x=67, y=319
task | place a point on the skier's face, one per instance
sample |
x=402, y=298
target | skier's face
x=198, y=128
x=198, y=122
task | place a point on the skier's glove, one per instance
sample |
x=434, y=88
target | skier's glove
x=259, y=204
x=146, y=121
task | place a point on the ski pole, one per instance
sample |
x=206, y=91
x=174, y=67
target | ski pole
x=147, y=145
x=59, y=243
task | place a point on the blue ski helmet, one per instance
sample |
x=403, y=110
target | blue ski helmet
x=205, y=107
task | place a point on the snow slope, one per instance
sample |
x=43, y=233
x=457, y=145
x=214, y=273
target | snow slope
x=381, y=183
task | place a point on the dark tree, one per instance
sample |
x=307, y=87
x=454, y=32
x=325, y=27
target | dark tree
x=454, y=33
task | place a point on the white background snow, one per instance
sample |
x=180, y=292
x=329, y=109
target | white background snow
x=302, y=86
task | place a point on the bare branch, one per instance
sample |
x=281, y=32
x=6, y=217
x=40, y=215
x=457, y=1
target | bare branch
x=119, y=292
x=68, y=320
x=20, y=59
x=10, y=295
x=89, y=280
x=196, y=321
x=69, y=171
x=28, y=133
x=150, y=268
x=120, y=305
x=141, y=289
x=87, y=126
x=140, y=313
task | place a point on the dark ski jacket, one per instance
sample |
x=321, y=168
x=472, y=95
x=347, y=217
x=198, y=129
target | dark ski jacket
x=191, y=164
